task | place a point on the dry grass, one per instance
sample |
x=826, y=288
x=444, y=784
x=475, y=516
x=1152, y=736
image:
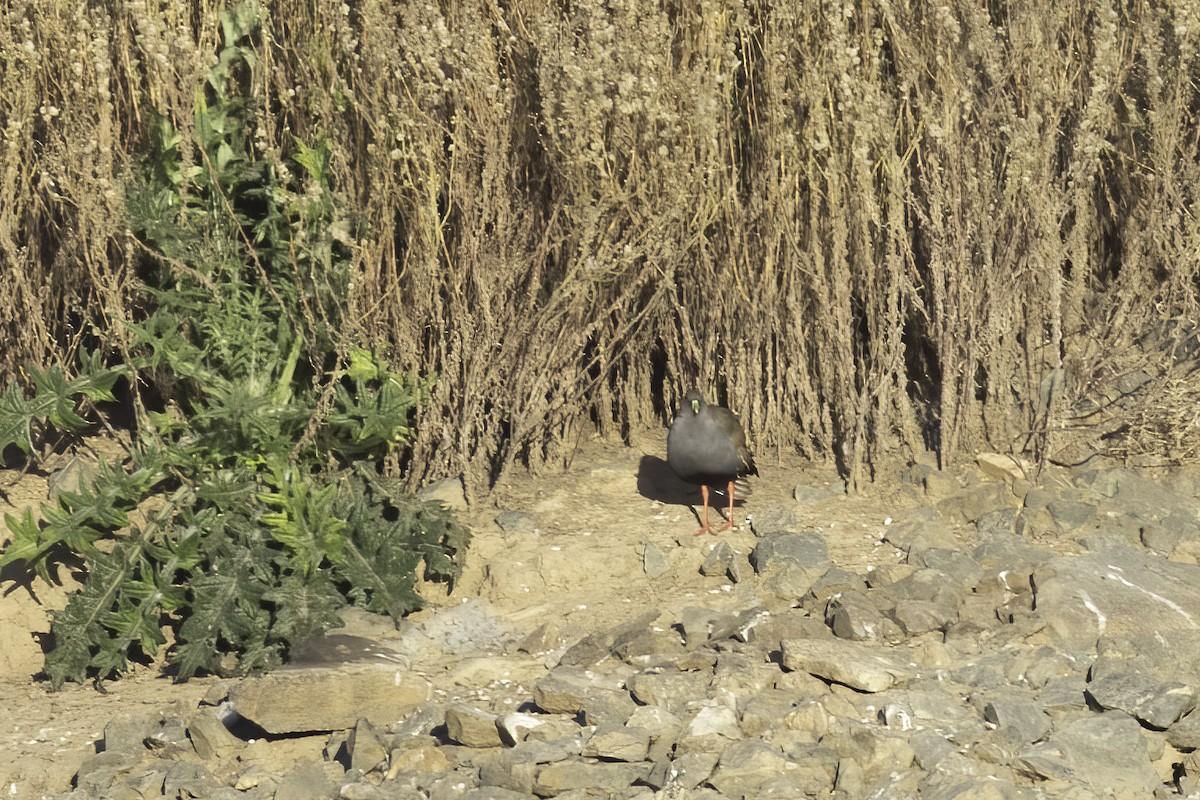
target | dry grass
x=869, y=227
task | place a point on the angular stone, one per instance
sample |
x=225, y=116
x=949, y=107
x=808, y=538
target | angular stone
x=98, y=771
x=495, y=793
x=718, y=560
x=565, y=690
x=471, y=727
x=295, y=701
x=772, y=519
x=184, y=779
x=973, y=502
x=1185, y=734
x=1156, y=703
x=607, y=706
x=1114, y=592
x=211, y=739
x=922, y=616
x=516, y=726
x=957, y=568
x=169, y=739
x=305, y=782
x=1070, y=514
x=1002, y=466
x=366, y=747
x=767, y=711
x=779, y=551
x=856, y=665
x=618, y=743
x=670, y=690
x=853, y=616
x=417, y=755
x=555, y=779
x=654, y=560
x=1017, y=718
x=1106, y=753
x=746, y=766
x=595, y=647
x=803, y=493
x=834, y=582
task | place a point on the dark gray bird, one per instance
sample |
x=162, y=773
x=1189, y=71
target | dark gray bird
x=707, y=446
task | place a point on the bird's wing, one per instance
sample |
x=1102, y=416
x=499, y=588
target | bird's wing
x=732, y=427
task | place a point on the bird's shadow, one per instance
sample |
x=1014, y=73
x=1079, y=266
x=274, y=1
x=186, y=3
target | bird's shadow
x=657, y=481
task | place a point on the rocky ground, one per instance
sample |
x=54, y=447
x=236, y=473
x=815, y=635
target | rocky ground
x=973, y=633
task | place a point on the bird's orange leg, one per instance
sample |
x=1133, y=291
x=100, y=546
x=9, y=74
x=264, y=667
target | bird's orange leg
x=704, y=523
x=729, y=522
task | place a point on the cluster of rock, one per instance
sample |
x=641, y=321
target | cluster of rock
x=996, y=669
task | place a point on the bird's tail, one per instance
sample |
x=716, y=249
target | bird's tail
x=741, y=489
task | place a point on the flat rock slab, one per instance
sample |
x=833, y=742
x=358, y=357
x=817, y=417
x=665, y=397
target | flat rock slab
x=856, y=665
x=301, y=700
x=1114, y=592
x=1106, y=753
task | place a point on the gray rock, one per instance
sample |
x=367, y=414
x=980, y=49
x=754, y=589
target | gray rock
x=294, y=701
x=696, y=623
x=668, y=689
x=661, y=724
x=211, y=739
x=618, y=743
x=654, y=642
x=184, y=779
x=1114, y=592
x=366, y=747
x=767, y=711
x=916, y=617
x=516, y=522
x=654, y=560
x=772, y=519
x=778, y=551
x=607, y=706
x=129, y=736
x=852, y=615
x=957, y=568
x=789, y=563
x=803, y=493
x=416, y=757
x=718, y=561
x=566, y=689
x=471, y=727
x=169, y=739
x=555, y=779
x=833, y=582
x=595, y=647
x=1070, y=514
x=856, y=665
x=1185, y=734
x=737, y=626
x=973, y=502
x=998, y=522
x=1106, y=753
x=496, y=793
x=1156, y=703
x=1018, y=718
x=690, y=770
x=100, y=770
x=421, y=721
x=929, y=749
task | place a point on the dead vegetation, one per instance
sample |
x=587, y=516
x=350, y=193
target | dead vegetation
x=871, y=227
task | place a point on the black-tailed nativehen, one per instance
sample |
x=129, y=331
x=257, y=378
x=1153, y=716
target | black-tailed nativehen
x=707, y=445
